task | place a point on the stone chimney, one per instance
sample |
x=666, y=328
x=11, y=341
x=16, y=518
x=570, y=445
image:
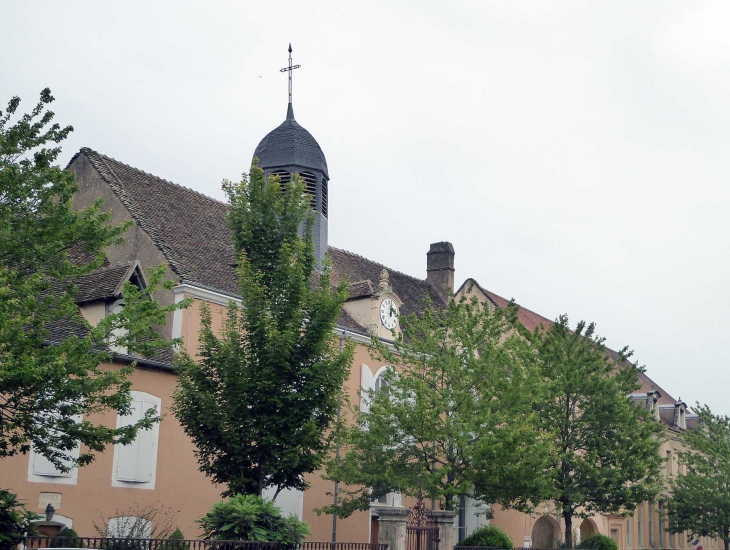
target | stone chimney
x=680, y=407
x=440, y=269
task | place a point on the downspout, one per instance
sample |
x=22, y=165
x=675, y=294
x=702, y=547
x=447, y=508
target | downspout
x=337, y=459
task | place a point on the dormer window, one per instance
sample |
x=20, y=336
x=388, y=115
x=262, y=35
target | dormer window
x=117, y=333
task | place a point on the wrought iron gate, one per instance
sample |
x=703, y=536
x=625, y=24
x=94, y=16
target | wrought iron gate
x=421, y=532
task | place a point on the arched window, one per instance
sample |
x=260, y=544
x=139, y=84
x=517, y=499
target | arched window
x=381, y=384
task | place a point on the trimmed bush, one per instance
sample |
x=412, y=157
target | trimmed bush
x=488, y=536
x=66, y=538
x=250, y=517
x=598, y=542
x=176, y=535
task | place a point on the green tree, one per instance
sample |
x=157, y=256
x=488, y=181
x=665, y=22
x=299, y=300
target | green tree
x=15, y=521
x=259, y=401
x=454, y=417
x=49, y=355
x=700, y=497
x=604, y=456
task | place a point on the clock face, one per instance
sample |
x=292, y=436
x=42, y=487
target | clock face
x=388, y=313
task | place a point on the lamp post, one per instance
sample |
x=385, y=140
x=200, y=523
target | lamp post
x=50, y=510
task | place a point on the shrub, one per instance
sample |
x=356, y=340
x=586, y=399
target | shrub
x=598, y=542
x=177, y=541
x=15, y=520
x=488, y=536
x=66, y=538
x=250, y=517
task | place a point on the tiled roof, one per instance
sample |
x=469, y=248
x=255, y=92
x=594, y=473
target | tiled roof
x=102, y=283
x=177, y=219
x=290, y=144
x=361, y=289
x=191, y=231
x=411, y=290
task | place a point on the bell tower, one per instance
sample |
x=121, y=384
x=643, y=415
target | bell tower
x=291, y=149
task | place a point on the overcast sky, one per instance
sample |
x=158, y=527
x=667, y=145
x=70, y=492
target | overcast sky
x=576, y=154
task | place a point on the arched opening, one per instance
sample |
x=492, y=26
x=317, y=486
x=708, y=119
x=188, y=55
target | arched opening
x=587, y=529
x=545, y=533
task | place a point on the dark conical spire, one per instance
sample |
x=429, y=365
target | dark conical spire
x=290, y=112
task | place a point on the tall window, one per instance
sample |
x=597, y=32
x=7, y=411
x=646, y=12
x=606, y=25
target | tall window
x=651, y=523
x=628, y=532
x=462, y=518
x=670, y=464
x=42, y=470
x=640, y=525
x=135, y=465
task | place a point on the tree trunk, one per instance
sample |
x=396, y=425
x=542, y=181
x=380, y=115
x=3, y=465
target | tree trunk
x=727, y=543
x=568, y=517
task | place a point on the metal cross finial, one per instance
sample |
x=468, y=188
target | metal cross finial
x=290, y=68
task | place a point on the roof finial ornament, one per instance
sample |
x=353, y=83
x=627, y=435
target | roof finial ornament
x=289, y=69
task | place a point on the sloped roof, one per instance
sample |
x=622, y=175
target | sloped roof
x=191, y=231
x=411, y=290
x=103, y=283
x=177, y=219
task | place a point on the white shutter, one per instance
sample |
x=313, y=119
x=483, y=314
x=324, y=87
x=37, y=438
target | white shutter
x=136, y=462
x=366, y=386
x=44, y=467
x=128, y=454
x=147, y=441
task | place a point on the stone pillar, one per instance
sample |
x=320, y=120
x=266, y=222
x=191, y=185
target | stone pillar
x=444, y=519
x=391, y=526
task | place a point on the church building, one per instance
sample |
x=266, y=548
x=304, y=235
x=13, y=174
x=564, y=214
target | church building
x=187, y=231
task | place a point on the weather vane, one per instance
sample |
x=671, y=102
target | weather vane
x=290, y=68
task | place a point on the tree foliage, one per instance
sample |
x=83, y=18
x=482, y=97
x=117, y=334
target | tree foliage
x=49, y=355
x=604, y=452
x=454, y=418
x=15, y=520
x=700, y=497
x=259, y=401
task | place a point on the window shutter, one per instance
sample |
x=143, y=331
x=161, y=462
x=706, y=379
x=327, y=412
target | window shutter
x=147, y=440
x=366, y=386
x=44, y=467
x=127, y=457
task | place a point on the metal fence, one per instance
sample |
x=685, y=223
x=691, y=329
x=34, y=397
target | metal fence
x=495, y=548
x=105, y=543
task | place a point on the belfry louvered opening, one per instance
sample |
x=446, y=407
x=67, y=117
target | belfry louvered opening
x=284, y=178
x=324, y=197
x=310, y=181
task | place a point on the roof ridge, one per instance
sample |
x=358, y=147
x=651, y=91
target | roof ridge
x=390, y=270
x=107, y=157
